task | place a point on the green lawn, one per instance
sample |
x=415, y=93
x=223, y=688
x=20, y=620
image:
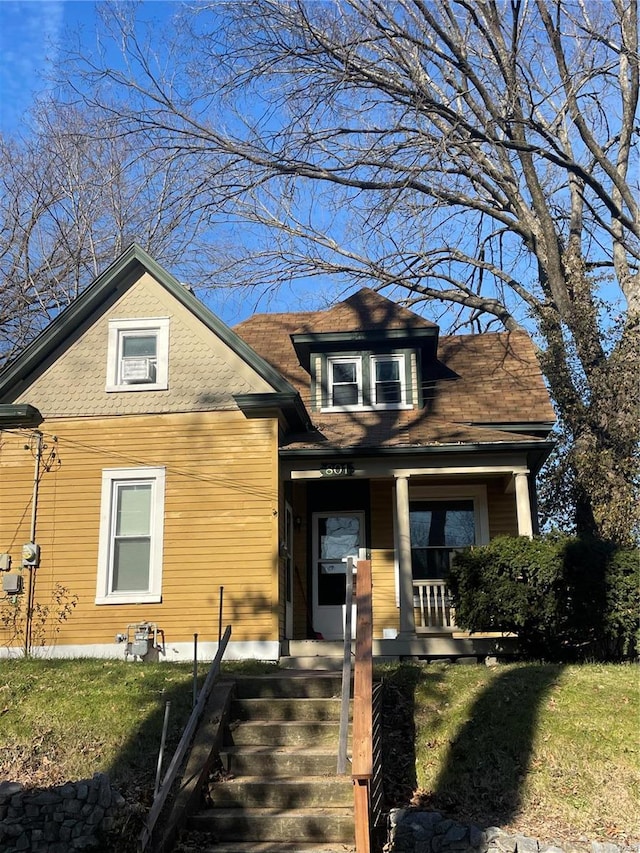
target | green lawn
x=546, y=750
x=549, y=751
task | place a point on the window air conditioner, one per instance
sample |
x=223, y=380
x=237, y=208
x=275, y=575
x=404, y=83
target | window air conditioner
x=135, y=369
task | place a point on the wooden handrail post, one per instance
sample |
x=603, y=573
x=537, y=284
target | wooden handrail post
x=362, y=760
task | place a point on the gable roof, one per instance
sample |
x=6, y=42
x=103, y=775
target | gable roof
x=364, y=311
x=481, y=389
x=118, y=277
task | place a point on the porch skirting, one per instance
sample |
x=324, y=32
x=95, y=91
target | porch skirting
x=427, y=646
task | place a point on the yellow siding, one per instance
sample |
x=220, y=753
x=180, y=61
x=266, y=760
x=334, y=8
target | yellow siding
x=503, y=520
x=220, y=522
x=385, y=610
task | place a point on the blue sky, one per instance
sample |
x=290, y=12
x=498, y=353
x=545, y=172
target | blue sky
x=32, y=35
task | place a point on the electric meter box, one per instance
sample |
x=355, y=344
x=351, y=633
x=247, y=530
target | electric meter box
x=12, y=584
x=30, y=555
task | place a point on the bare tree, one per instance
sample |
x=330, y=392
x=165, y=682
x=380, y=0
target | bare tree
x=72, y=198
x=476, y=155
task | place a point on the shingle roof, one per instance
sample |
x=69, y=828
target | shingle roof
x=481, y=385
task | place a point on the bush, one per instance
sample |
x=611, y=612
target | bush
x=566, y=599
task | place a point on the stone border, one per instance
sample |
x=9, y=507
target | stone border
x=59, y=819
x=416, y=831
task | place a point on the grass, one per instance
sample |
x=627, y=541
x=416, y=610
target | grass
x=68, y=719
x=545, y=750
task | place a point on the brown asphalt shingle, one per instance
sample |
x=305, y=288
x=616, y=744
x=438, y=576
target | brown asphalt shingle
x=488, y=379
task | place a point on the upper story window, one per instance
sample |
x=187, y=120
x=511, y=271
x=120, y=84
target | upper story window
x=345, y=382
x=387, y=380
x=366, y=381
x=138, y=355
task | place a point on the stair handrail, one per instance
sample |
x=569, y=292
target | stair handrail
x=362, y=750
x=185, y=740
x=346, y=670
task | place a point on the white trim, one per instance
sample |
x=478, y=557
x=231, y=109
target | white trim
x=118, y=330
x=267, y=650
x=112, y=477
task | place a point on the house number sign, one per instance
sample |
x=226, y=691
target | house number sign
x=337, y=469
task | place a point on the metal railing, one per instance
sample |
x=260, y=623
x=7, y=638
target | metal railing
x=185, y=741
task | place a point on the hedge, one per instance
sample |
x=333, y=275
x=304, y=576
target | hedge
x=566, y=598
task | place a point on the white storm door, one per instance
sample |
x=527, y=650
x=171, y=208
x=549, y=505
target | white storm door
x=335, y=536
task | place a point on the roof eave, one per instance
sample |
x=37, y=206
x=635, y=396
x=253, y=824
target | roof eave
x=537, y=451
x=288, y=403
x=123, y=272
x=305, y=343
x=19, y=415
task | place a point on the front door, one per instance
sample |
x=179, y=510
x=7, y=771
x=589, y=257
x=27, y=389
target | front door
x=335, y=536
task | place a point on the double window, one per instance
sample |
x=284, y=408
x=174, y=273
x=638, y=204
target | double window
x=138, y=355
x=131, y=531
x=366, y=381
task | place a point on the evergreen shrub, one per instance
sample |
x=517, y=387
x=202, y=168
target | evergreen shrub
x=565, y=598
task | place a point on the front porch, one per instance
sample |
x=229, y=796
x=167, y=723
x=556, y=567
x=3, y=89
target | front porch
x=409, y=522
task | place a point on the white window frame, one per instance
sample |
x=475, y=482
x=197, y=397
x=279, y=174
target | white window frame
x=344, y=359
x=118, y=331
x=476, y=493
x=366, y=373
x=400, y=360
x=111, y=479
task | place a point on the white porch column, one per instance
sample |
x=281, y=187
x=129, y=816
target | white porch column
x=523, y=505
x=407, y=626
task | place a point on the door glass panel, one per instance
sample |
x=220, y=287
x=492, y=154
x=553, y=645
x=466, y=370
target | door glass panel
x=339, y=536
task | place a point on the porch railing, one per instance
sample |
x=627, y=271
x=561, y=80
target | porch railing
x=433, y=607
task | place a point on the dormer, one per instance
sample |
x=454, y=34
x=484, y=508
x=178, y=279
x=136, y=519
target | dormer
x=369, y=354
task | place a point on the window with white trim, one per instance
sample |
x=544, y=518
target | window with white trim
x=366, y=381
x=388, y=388
x=345, y=382
x=138, y=355
x=131, y=535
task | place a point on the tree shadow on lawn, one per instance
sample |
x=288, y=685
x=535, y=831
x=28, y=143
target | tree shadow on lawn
x=483, y=776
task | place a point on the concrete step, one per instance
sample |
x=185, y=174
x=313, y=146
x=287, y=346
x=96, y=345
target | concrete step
x=292, y=685
x=282, y=793
x=296, y=825
x=328, y=663
x=281, y=761
x=285, y=733
x=286, y=709
x=195, y=843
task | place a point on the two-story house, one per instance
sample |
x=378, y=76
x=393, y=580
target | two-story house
x=169, y=468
